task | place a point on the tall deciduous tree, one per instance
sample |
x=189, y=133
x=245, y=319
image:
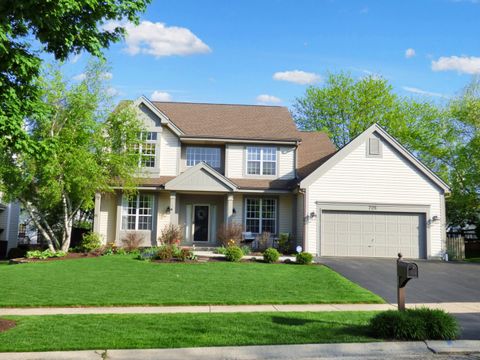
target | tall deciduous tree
x=60, y=27
x=88, y=145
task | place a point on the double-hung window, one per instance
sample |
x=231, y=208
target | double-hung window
x=261, y=215
x=137, y=212
x=261, y=160
x=209, y=155
x=146, y=148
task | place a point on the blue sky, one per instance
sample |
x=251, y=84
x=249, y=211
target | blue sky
x=234, y=51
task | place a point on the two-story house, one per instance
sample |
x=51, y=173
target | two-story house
x=203, y=165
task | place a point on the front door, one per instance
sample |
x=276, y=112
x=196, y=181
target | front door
x=200, y=223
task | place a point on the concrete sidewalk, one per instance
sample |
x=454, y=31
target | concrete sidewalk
x=387, y=350
x=454, y=308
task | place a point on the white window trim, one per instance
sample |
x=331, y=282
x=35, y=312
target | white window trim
x=204, y=147
x=261, y=162
x=147, y=142
x=260, y=225
x=125, y=214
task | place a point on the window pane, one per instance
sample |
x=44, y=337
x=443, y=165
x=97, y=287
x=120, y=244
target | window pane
x=253, y=168
x=268, y=226
x=269, y=168
x=253, y=153
x=197, y=154
x=252, y=225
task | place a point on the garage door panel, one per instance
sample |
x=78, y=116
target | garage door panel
x=372, y=234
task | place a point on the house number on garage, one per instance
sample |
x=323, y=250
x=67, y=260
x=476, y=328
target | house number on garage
x=372, y=207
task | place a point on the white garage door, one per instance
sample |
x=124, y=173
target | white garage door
x=374, y=234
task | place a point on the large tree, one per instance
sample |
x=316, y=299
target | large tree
x=28, y=29
x=87, y=145
x=344, y=107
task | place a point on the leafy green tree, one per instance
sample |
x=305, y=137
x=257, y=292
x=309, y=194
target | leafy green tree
x=88, y=147
x=344, y=107
x=60, y=27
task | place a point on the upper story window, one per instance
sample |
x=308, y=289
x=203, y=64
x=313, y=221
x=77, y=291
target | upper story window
x=137, y=212
x=261, y=160
x=147, y=149
x=209, y=155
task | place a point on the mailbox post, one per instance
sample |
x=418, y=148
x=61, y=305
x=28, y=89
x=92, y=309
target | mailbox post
x=405, y=272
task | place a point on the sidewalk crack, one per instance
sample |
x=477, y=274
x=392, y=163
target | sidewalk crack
x=428, y=347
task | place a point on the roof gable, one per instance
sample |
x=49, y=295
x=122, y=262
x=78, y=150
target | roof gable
x=347, y=149
x=201, y=177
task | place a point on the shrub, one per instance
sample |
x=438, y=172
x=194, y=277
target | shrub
x=132, y=241
x=221, y=250
x=165, y=252
x=147, y=253
x=415, y=324
x=171, y=235
x=90, y=242
x=263, y=241
x=37, y=254
x=109, y=249
x=230, y=234
x=304, y=258
x=246, y=250
x=233, y=253
x=284, y=244
x=271, y=255
x=186, y=254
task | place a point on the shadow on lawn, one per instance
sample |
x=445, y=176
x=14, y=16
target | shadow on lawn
x=341, y=328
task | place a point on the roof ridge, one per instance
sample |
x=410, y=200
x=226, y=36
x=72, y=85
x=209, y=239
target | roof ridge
x=219, y=104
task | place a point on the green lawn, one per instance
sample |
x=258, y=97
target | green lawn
x=121, y=280
x=73, y=332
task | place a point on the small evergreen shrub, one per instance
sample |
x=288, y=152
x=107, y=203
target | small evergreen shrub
x=415, y=324
x=147, y=253
x=233, y=253
x=90, y=242
x=304, y=258
x=246, y=250
x=271, y=255
x=221, y=250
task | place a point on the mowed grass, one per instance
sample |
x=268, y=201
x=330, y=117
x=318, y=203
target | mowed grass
x=121, y=280
x=75, y=332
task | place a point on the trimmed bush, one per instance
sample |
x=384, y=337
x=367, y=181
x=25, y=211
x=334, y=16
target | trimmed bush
x=271, y=255
x=90, y=242
x=233, y=253
x=304, y=258
x=415, y=324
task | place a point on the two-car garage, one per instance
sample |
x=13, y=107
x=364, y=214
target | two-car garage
x=372, y=234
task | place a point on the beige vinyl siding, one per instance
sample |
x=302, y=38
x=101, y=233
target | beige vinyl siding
x=163, y=219
x=169, y=153
x=388, y=179
x=285, y=216
x=234, y=161
x=108, y=217
x=299, y=219
x=286, y=162
x=238, y=206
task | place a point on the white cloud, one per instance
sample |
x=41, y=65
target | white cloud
x=297, y=77
x=462, y=64
x=75, y=58
x=418, y=91
x=159, y=40
x=111, y=91
x=409, y=53
x=161, y=96
x=267, y=99
x=80, y=77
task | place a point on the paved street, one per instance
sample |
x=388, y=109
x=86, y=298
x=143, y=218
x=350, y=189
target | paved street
x=438, y=282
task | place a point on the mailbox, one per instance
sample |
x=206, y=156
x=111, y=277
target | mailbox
x=405, y=272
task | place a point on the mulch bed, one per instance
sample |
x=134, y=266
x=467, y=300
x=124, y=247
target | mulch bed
x=69, y=256
x=6, y=325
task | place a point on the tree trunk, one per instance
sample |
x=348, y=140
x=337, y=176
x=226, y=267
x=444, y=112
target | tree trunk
x=67, y=224
x=42, y=230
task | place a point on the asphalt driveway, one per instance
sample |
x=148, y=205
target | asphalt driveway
x=437, y=282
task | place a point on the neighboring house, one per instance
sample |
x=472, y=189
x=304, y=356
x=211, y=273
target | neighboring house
x=203, y=165
x=9, y=215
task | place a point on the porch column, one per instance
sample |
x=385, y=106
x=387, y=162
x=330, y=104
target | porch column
x=173, y=208
x=229, y=208
x=96, y=214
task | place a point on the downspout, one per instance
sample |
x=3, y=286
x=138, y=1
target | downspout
x=304, y=194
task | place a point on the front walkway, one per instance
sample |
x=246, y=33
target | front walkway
x=387, y=350
x=454, y=308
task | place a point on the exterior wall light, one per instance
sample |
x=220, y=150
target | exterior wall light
x=234, y=211
x=168, y=210
x=313, y=215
